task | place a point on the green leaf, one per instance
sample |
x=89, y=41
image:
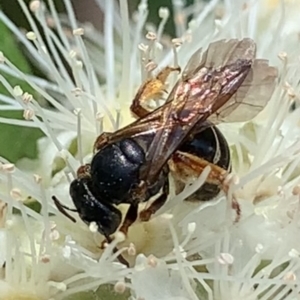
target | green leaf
x=107, y=292
x=82, y=296
x=104, y=292
x=15, y=141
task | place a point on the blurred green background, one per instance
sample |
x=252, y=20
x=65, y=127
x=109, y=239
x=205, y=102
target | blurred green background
x=15, y=141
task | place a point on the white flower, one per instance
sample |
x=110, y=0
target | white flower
x=188, y=250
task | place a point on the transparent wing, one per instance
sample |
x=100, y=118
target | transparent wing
x=251, y=97
x=213, y=85
x=220, y=54
x=207, y=79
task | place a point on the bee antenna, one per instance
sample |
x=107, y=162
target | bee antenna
x=62, y=208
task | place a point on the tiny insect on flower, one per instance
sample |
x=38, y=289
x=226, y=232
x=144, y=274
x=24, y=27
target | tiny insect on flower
x=131, y=165
x=187, y=249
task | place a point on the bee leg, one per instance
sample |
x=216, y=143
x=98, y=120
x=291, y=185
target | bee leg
x=101, y=140
x=153, y=88
x=121, y=259
x=83, y=171
x=130, y=218
x=184, y=166
x=235, y=205
x=146, y=214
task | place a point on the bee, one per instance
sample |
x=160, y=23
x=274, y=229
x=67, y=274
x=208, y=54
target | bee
x=226, y=83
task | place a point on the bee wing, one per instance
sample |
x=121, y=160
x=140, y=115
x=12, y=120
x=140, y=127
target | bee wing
x=220, y=54
x=193, y=64
x=193, y=99
x=220, y=80
x=251, y=97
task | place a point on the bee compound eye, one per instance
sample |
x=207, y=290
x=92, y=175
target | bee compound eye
x=109, y=220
